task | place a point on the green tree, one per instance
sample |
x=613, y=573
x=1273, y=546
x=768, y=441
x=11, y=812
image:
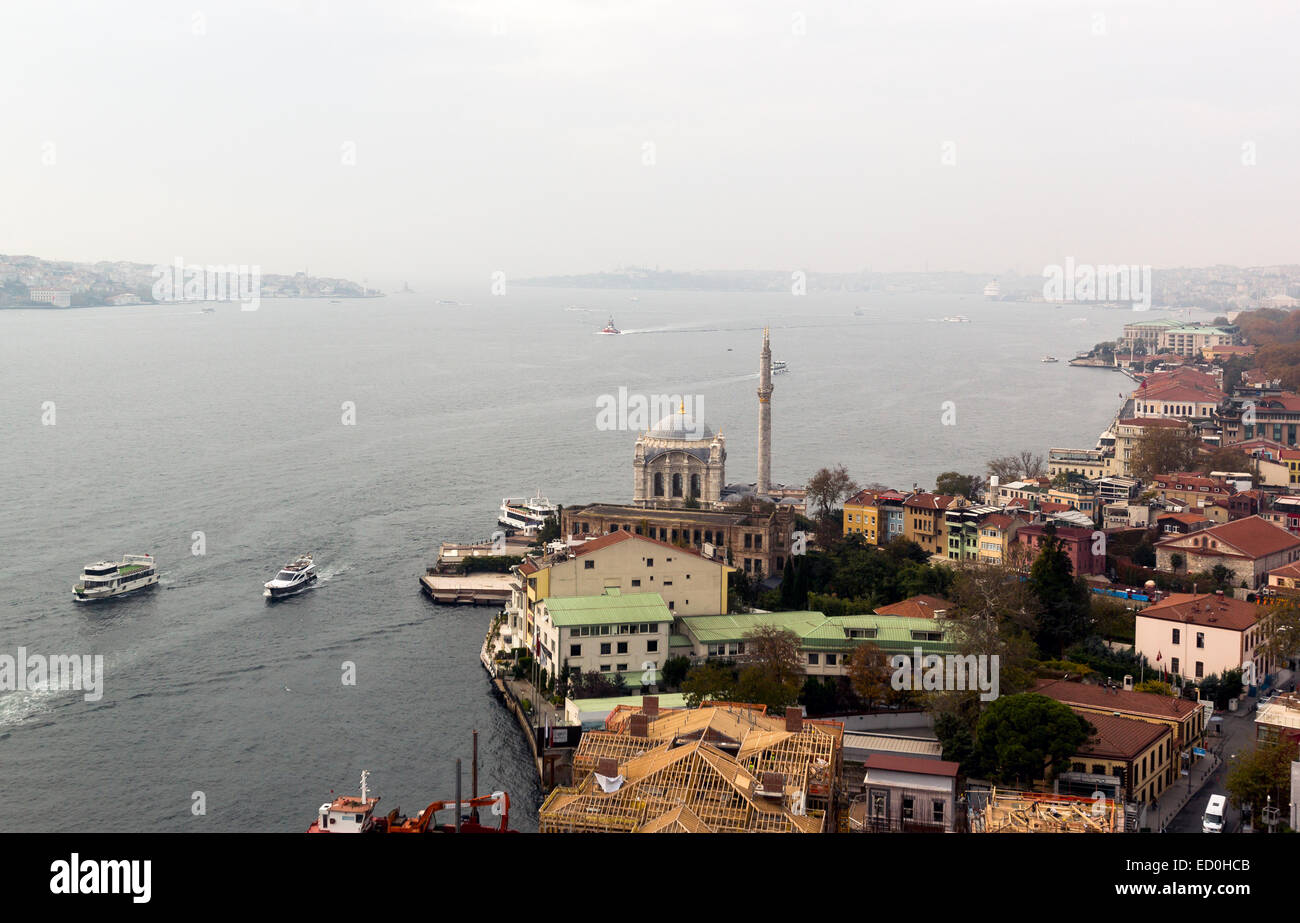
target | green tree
x=674, y=672
x=762, y=687
x=1065, y=615
x=1144, y=555
x=1022, y=738
x=1279, y=631
x=1164, y=450
x=709, y=680
x=1154, y=686
x=1265, y=772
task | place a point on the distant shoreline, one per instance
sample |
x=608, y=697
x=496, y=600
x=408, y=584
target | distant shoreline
x=169, y=304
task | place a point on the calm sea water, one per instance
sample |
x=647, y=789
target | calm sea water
x=169, y=421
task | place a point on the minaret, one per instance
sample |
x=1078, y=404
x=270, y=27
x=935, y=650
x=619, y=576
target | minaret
x=764, y=485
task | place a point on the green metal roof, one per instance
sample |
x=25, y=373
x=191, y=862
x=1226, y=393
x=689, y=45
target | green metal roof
x=607, y=609
x=818, y=631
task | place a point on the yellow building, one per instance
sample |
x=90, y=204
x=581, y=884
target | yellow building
x=688, y=582
x=1140, y=754
x=862, y=516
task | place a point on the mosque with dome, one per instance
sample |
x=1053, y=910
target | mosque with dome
x=680, y=459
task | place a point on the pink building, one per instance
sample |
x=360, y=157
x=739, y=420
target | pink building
x=1077, y=542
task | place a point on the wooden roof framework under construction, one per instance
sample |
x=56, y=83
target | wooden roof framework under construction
x=722, y=767
x=1002, y=811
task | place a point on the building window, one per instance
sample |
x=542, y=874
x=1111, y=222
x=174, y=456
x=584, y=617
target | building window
x=636, y=582
x=936, y=813
x=695, y=487
x=1200, y=639
x=677, y=485
x=830, y=660
x=813, y=660
x=604, y=668
x=575, y=650
x=1173, y=665
x=652, y=646
x=622, y=647
x=622, y=668
x=605, y=648
x=1200, y=670
x=1178, y=638
x=589, y=565
x=659, y=484
x=649, y=562
x=909, y=807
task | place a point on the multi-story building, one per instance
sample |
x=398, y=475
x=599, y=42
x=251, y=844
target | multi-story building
x=1084, y=463
x=1201, y=635
x=963, y=526
x=1078, y=496
x=1181, y=337
x=757, y=541
x=1185, y=719
x=997, y=538
x=1083, y=546
x=50, y=296
x=825, y=642
x=924, y=521
x=1191, y=489
x=1183, y=394
x=1138, y=755
x=1129, y=431
x=1275, y=417
x=607, y=633
x=1117, y=489
x=1250, y=548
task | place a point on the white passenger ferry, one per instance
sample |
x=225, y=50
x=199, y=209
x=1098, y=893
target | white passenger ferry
x=105, y=579
x=526, y=514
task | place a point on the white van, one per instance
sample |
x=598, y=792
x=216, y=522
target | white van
x=1212, y=822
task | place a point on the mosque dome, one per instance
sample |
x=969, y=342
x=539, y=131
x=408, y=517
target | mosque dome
x=681, y=426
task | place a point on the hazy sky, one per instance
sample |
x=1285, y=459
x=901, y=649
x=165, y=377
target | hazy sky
x=512, y=135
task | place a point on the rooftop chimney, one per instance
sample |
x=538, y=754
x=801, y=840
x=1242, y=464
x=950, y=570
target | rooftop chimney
x=793, y=719
x=772, y=783
x=607, y=766
x=650, y=705
x=639, y=726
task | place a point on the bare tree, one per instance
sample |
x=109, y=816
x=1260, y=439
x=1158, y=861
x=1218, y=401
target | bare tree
x=828, y=487
x=869, y=673
x=776, y=651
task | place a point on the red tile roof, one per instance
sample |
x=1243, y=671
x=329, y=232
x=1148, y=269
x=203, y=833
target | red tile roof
x=1204, y=609
x=912, y=764
x=622, y=535
x=1149, y=704
x=916, y=607
x=925, y=501
x=1119, y=738
x=1253, y=537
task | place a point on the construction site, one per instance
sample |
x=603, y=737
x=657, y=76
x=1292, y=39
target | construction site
x=1003, y=811
x=721, y=768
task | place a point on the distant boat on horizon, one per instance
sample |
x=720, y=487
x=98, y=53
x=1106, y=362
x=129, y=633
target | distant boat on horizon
x=993, y=290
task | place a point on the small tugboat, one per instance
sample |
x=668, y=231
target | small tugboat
x=779, y=366
x=106, y=579
x=294, y=577
x=357, y=815
x=1049, y=359
x=610, y=328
